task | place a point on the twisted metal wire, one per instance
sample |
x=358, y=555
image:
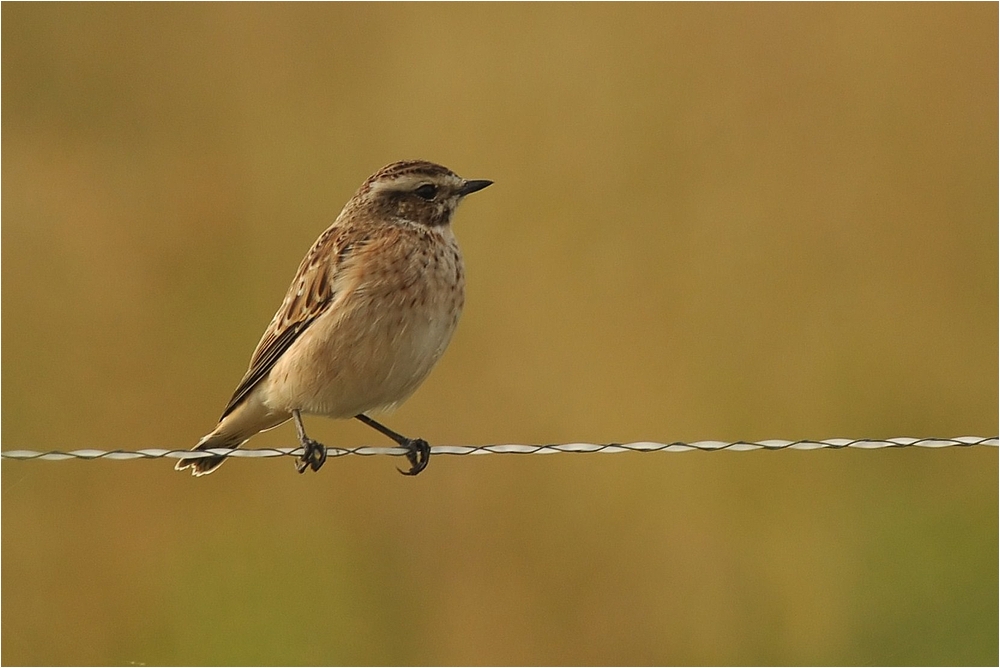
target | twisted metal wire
x=641, y=446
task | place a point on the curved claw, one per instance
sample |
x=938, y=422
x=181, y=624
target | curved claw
x=313, y=456
x=418, y=452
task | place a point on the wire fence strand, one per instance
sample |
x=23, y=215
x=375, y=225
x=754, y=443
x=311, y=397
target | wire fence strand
x=640, y=446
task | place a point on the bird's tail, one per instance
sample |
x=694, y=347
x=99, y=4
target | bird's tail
x=205, y=465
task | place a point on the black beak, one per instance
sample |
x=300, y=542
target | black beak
x=470, y=187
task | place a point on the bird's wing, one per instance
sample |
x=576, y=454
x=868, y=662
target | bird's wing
x=310, y=294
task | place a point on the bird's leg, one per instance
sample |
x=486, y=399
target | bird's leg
x=314, y=452
x=418, y=452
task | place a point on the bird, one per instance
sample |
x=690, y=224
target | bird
x=370, y=311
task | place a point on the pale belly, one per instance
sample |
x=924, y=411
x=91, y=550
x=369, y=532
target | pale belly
x=365, y=353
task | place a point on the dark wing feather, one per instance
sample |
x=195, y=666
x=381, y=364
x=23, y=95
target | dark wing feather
x=309, y=295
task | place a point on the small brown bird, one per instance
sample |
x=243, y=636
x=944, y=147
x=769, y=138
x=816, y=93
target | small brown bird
x=370, y=311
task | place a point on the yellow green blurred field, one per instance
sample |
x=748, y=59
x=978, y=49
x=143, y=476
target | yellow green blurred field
x=709, y=222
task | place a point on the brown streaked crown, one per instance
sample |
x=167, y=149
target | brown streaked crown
x=394, y=170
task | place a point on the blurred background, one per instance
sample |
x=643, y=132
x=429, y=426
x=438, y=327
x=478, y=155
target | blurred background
x=709, y=222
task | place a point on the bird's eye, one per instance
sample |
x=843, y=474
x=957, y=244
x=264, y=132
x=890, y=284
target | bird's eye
x=427, y=191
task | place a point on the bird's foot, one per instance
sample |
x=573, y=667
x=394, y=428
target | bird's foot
x=313, y=455
x=418, y=452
